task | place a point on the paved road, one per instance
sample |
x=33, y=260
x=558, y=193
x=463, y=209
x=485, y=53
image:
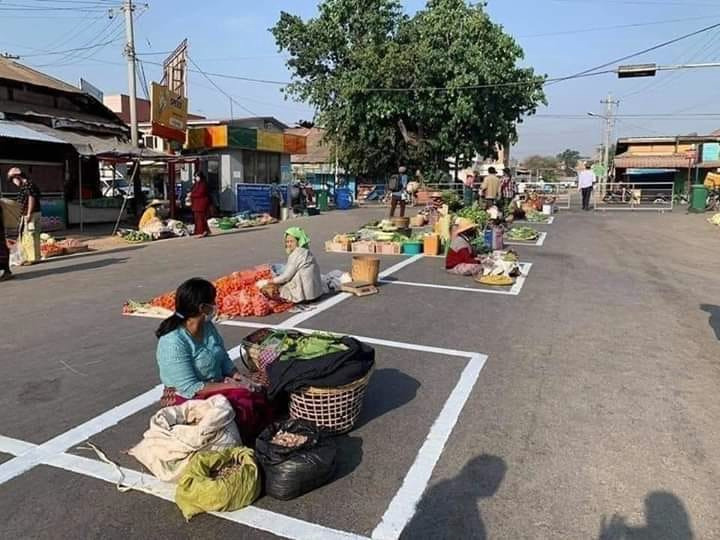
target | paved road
x=594, y=416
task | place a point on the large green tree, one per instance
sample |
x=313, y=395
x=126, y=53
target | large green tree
x=392, y=89
x=546, y=166
x=569, y=159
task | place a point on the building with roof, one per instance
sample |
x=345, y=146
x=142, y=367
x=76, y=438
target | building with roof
x=247, y=151
x=55, y=132
x=683, y=159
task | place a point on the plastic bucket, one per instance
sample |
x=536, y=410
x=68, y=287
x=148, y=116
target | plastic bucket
x=365, y=269
x=547, y=209
x=412, y=248
x=431, y=245
x=343, y=199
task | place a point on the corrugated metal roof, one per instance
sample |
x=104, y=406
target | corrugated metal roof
x=645, y=161
x=17, y=72
x=16, y=130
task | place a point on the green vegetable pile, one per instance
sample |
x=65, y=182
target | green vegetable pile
x=475, y=213
x=452, y=199
x=478, y=244
x=136, y=237
x=227, y=223
x=523, y=234
x=536, y=217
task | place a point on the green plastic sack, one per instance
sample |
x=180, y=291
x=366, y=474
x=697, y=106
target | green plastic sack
x=200, y=489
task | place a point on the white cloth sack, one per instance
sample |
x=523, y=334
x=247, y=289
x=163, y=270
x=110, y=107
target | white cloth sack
x=178, y=432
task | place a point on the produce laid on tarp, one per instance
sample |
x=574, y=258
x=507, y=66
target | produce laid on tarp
x=244, y=220
x=474, y=213
x=135, y=237
x=522, y=234
x=715, y=220
x=534, y=216
x=237, y=296
x=51, y=247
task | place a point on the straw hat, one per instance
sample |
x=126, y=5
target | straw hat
x=463, y=225
x=156, y=202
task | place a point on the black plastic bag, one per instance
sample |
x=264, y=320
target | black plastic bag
x=291, y=472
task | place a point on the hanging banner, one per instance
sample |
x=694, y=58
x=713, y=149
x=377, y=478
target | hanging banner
x=168, y=112
x=175, y=70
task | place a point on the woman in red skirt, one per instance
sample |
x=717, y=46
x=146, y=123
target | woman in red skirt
x=200, y=198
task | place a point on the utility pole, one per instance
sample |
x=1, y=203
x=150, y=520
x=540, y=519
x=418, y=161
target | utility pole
x=609, y=129
x=128, y=8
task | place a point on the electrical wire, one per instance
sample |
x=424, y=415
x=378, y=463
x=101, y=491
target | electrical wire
x=223, y=92
x=614, y=27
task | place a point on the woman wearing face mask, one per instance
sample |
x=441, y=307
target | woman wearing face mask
x=191, y=353
x=29, y=200
x=200, y=203
x=300, y=280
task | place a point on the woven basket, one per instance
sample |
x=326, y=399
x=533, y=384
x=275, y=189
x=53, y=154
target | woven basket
x=333, y=409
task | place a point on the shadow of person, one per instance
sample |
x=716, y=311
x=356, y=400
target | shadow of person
x=666, y=519
x=449, y=510
x=714, y=320
x=389, y=389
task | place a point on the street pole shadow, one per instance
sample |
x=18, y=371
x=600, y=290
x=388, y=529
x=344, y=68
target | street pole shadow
x=449, y=510
x=714, y=320
x=665, y=516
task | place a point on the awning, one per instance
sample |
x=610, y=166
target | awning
x=92, y=145
x=14, y=130
x=645, y=161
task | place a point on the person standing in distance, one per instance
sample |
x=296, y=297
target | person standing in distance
x=200, y=204
x=490, y=187
x=586, y=179
x=396, y=185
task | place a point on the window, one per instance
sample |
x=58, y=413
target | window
x=262, y=168
x=249, y=170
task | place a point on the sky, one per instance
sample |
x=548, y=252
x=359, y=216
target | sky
x=559, y=37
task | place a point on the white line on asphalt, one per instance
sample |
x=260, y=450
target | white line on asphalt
x=235, y=351
x=538, y=243
x=404, y=505
x=257, y=518
x=62, y=442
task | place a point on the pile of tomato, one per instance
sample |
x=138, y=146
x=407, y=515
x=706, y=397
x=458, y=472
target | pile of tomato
x=237, y=295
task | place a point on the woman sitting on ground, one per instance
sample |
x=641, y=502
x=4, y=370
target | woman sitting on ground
x=194, y=364
x=300, y=280
x=151, y=213
x=462, y=258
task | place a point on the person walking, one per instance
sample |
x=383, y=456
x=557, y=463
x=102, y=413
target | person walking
x=200, y=204
x=396, y=185
x=29, y=200
x=490, y=187
x=507, y=189
x=586, y=179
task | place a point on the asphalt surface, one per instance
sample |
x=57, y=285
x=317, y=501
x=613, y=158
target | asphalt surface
x=594, y=416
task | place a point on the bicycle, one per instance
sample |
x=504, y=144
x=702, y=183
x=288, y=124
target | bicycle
x=712, y=203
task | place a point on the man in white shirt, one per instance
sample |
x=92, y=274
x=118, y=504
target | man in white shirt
x=586, y=179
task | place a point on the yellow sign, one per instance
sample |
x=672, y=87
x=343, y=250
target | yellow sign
x=169, y=113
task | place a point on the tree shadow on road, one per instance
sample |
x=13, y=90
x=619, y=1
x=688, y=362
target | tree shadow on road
x=449, y=510
x=666, y=519
x=714, y=319
x=389, y=389
x=57, y=270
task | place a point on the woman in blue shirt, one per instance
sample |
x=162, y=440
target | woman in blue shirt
x=191, y=353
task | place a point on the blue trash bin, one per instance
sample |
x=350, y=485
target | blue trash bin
x=343, y=199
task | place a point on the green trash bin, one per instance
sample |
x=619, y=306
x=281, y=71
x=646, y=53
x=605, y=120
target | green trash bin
x=698, y=198
x=322, y=200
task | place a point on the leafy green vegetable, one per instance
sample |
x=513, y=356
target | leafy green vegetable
x=475, y=213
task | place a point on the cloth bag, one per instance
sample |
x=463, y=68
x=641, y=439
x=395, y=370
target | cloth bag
x=202, y=489
x=177, y=433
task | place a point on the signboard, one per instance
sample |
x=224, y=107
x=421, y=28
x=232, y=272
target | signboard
x=91, y=90
x=691, y=154
x=168, y=112
x=175, y=70
x=711, y=152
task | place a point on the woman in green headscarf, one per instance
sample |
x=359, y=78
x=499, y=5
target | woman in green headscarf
x=300, y=281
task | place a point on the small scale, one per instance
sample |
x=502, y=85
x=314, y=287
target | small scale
x=359, y=288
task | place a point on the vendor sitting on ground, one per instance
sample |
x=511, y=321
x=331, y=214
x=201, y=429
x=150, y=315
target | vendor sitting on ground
x=462, y=258
x=191, y=354
x=300, y=280
x=151, y=213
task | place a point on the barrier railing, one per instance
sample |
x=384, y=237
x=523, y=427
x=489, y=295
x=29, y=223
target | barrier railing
x=657, y=196
x=563, y=193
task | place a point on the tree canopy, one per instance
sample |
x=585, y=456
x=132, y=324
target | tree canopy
x=390, y=89
x=569, y=159
x=547, y=166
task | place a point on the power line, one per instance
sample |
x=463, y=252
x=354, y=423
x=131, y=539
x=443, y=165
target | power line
x=77, y=49
x=223, y=92
x=614, y=27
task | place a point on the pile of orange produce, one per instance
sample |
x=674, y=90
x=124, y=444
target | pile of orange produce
x=237, y=295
